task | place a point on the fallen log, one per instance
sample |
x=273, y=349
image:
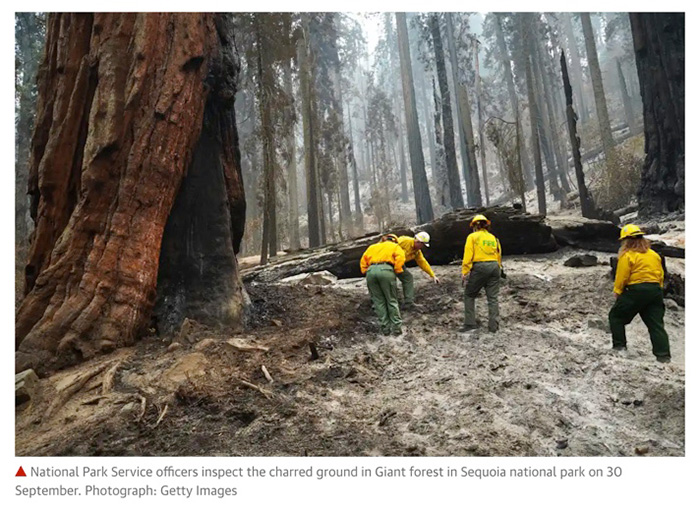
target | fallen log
x=582, y=233
x=519, y=233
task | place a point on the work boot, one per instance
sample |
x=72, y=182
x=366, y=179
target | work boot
x=467, y=328
x=664, y=359
x=619, y=348
x=493, y=329
x=396, y=332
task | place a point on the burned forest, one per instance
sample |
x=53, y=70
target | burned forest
x=197, y=194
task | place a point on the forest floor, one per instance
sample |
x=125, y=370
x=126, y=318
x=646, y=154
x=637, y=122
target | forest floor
x=546, y=384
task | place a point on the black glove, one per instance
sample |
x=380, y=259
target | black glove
x=503, y=273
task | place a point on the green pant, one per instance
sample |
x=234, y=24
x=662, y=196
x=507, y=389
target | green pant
x=483, y=274
x=409, y=293
x=647, y=300
x=381, y=282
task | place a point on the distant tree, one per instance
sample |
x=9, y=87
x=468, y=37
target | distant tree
x=29, y=43
x=601, y=105
x=421, y=195
x=306, y=83
x=524, y=25
x=456, y=200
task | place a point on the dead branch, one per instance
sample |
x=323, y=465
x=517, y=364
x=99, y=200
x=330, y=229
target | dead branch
x=143, y=408
x=160, y=417
x=262, y=391
x=267, y=374
x=246, y=347
x=108, y=379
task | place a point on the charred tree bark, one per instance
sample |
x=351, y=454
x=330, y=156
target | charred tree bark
x=587, y=205
x=456, y=200
x=575, y=56
x=122, y=105
x=659, y=45
x=424, y=208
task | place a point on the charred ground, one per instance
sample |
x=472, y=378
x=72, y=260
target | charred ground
x=546, y=384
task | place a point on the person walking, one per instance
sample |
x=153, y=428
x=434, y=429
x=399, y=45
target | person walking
x=381, y=262
x=639, y=282
x=412, y=247
x=481, y=268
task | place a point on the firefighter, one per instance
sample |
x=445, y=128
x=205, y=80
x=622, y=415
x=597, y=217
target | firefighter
x=381, y=262
x=481, y=267
x=639, y=283
x=412, y=247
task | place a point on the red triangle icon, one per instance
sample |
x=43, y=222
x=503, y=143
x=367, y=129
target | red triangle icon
x=20, y=473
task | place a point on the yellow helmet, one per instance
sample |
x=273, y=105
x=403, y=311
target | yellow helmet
x=391, y=237
x=479, y=217
x=630, y=230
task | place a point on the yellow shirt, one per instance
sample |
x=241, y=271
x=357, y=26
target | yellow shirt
x=383, y=252
x=634, y=268
x=481, y=246
x=408, y=244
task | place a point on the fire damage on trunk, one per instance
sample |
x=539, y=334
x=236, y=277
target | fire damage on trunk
x=123, y=100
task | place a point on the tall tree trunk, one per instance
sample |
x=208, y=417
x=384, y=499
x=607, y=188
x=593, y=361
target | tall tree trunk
x=426, y=114
x=442, y=185
x=575, y=56
x=659, y=46
x=556, y=113
x=290, y=142
x=307, y=115
x=456, y=200
x=508, y=73
x=344, y=204
x=265, y=84
x=587, y=205
x=356, y=179
x=463, y=149
x=543, y=127
x=421, y=194
x=626, y=101
x=28, y=44
x=524, y=22
x=480, y=113
x=601, y=106
x=549, y=94
x=123, y=100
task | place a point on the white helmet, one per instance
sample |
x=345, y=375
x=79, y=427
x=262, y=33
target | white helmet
x=423, y=237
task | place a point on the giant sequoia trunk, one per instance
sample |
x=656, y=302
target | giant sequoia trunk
x=123, y=99
x=659, y=46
